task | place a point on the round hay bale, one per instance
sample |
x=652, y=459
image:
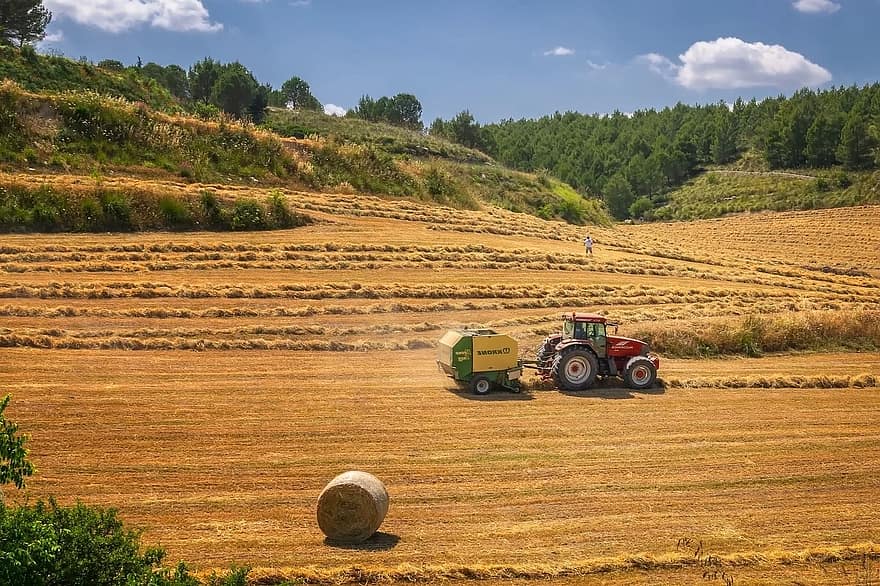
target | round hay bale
x=352, y=507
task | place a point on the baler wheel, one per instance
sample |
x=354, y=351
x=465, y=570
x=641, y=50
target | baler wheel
x=480, y=385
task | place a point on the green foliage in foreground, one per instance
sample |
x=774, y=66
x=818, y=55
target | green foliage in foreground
x=47, y=544
x=14, y=463
x=717, y=193
x=43, y=209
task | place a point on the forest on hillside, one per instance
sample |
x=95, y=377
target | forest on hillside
x=640, y=157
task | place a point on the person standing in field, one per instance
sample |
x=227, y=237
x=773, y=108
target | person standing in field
x=588, y=244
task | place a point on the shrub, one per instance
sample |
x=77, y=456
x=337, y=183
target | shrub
x=206, y=111
x=841, y=179
x=46, y=544
x=641, y=207
x=440, y=185
x=92, y=214
x=279, y=215
x=116, y=211
x=14, y=463
x=247, y=215
x=29, y=54
x=175, y=213
x=570, y=211
x=821, y=184
x=214, y=217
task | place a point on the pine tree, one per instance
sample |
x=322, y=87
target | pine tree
x=619, y=196
x=822, y=138
x=856, y=145
x=202, y=77
x=23, y=21
x=724, y=139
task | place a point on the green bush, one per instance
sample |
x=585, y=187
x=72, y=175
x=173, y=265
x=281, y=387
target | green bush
x=14, y=463
x=175, y=212
x=116, y=210
x=213, y=212
x=280, y=215
x=29, y=54
x=247, y=215
x=92, y=215
x=45, y=544
x=841, y=179
x=441, y=187
x=641, y=208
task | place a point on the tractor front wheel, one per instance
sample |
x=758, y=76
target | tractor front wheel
x=640, y=374
x=480, y=385
x=575, y=369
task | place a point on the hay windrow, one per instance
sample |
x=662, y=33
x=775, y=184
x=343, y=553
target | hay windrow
x=631, y=563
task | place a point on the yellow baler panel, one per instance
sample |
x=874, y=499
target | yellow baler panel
x=496, y=352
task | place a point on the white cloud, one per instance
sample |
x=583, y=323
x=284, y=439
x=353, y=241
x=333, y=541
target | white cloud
x=659, y=64
x=595, y=66
x=731, y=63
x=50, y=39
x=334, y=110
x=814, y=6
x=300, y=3
x=559, y=52
x=116, y=16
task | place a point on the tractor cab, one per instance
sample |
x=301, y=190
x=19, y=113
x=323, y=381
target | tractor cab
x=585, y=327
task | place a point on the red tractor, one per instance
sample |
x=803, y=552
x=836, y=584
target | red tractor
x=584, y=351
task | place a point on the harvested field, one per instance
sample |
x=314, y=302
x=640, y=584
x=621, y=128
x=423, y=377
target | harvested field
x=209, y=385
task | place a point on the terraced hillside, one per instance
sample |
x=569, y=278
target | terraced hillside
x=209, y=384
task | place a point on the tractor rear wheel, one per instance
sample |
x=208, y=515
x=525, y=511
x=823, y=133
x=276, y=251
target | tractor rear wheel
x=480, y=385
x=640, y=374
x=575, y=369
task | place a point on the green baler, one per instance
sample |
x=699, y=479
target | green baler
x=479, y=359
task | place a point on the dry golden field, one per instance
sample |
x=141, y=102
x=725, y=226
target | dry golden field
x=208, y=385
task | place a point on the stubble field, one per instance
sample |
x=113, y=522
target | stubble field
x=208, y=385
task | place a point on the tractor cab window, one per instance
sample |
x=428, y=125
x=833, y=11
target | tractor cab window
x=588, y=331
x=582, y=330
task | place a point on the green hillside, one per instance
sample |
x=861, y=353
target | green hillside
x=391, y=139
x=364, y=154
x=84, y=132
x=50, y=73
x=638, y=162
x=725, y=191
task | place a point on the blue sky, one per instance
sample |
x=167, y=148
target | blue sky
x=499, y=59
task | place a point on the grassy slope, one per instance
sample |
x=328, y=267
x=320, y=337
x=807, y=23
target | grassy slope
x=391, y=139
x=448, y=173
x=731, y=190
x=91, y=133
x=48, y=73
